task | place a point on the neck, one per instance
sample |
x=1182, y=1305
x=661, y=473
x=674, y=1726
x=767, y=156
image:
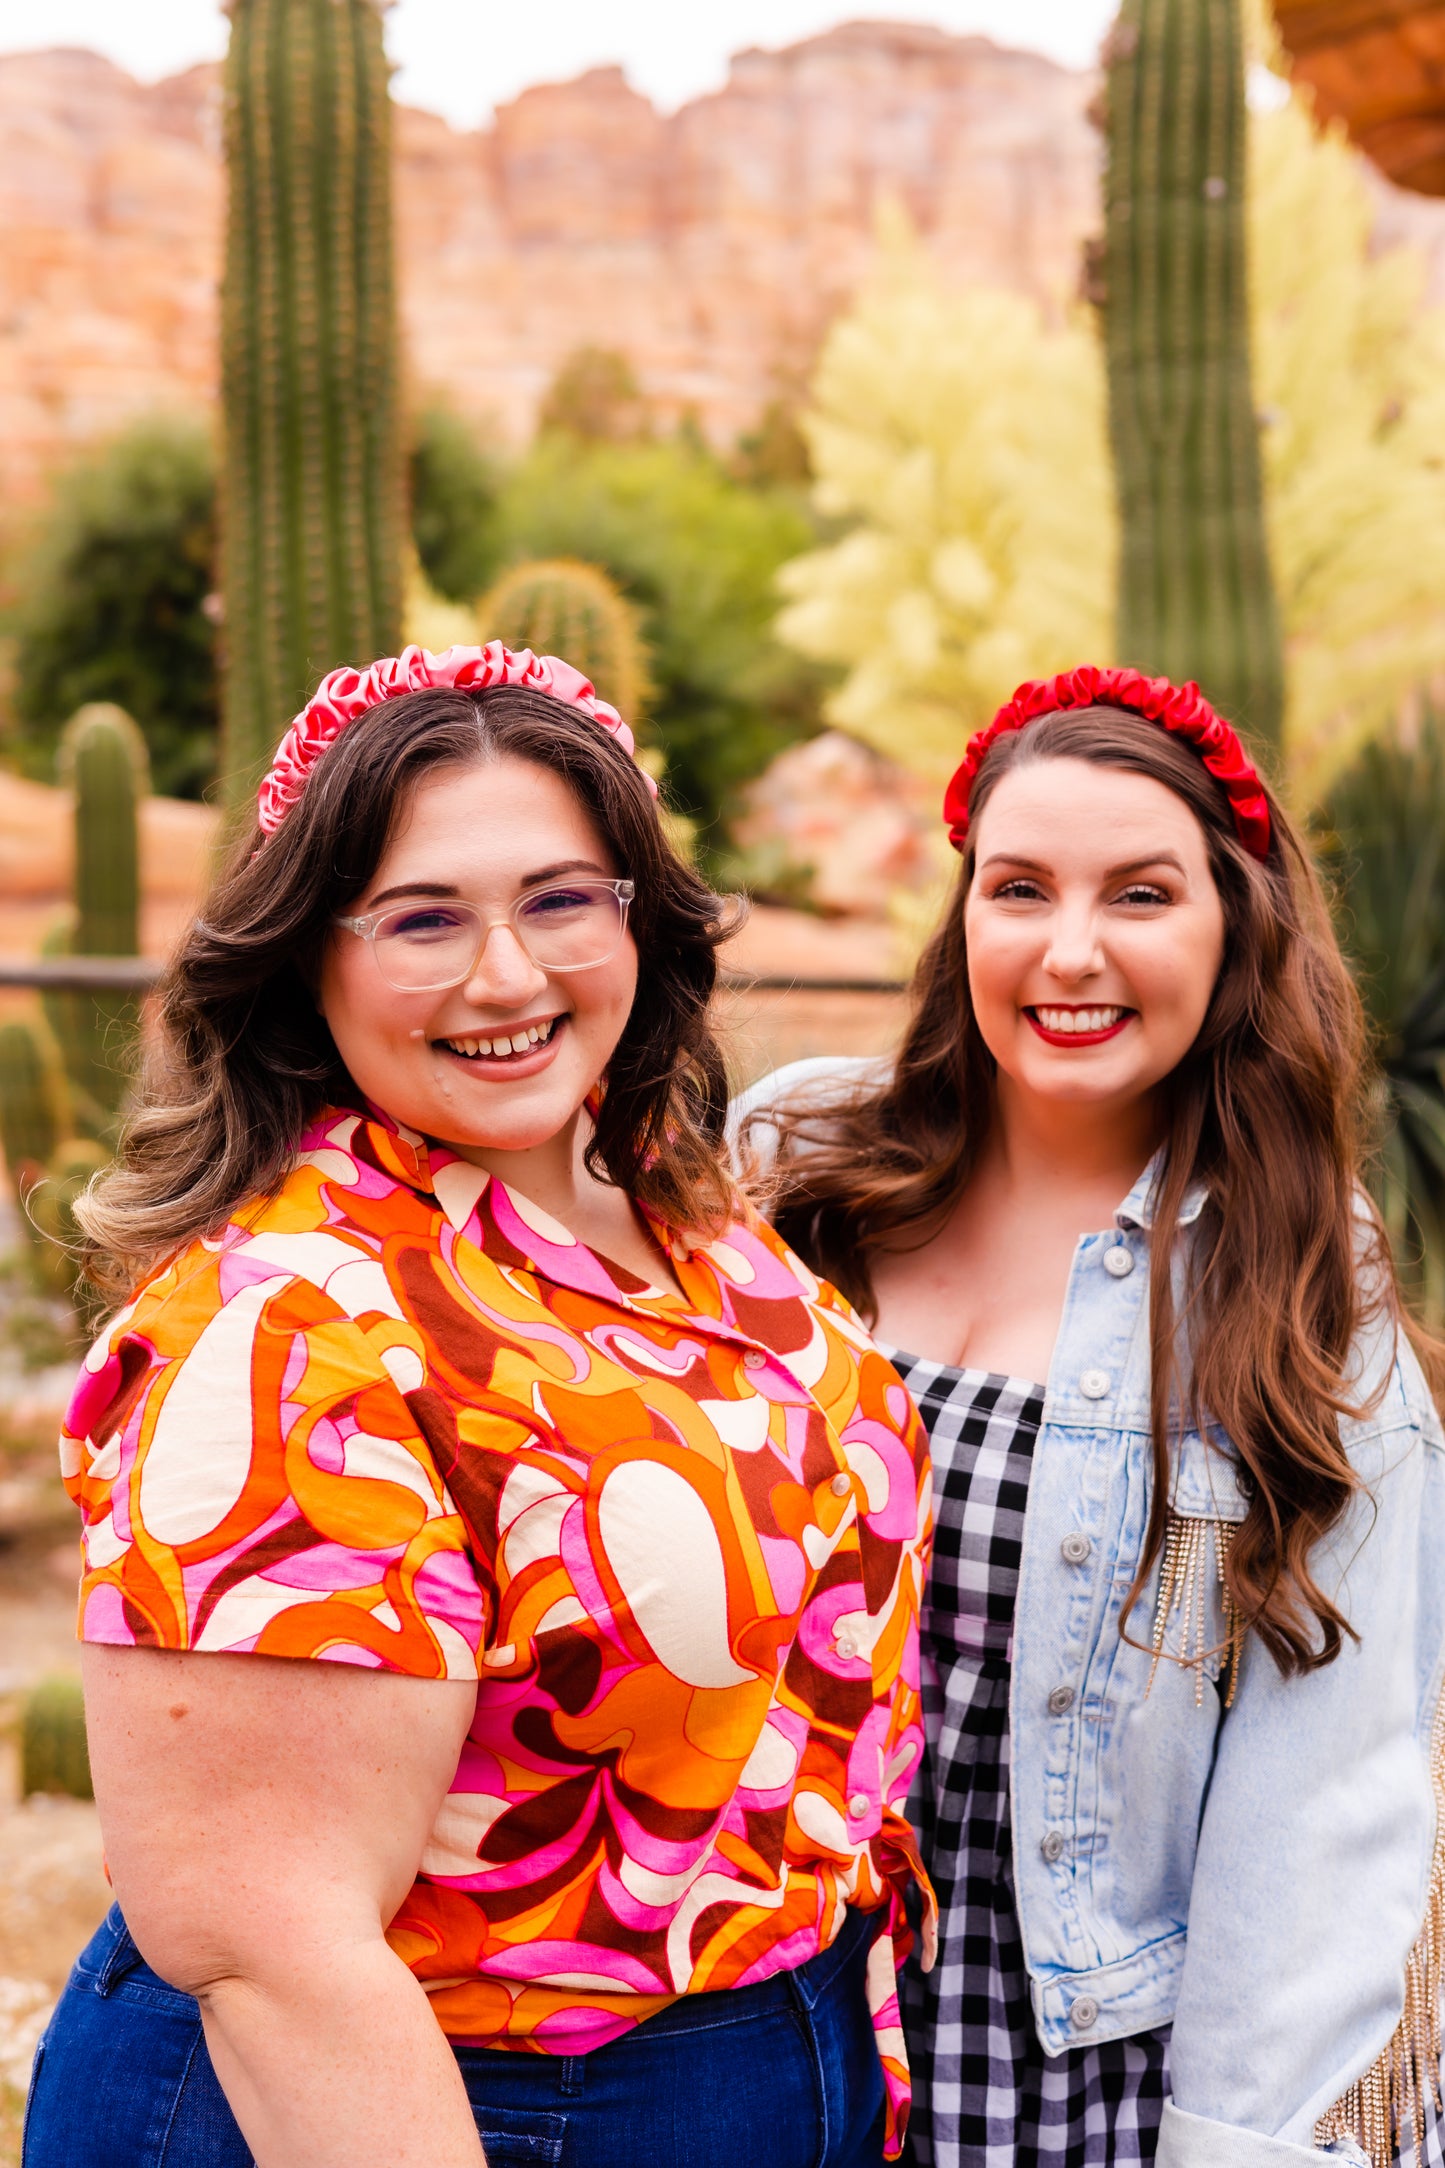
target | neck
x=553, y=1174
x=1057, y=1144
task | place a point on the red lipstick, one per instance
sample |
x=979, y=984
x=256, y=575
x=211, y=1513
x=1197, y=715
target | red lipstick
x=1079, y=1038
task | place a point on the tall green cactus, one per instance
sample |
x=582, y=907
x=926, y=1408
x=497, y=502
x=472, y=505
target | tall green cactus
x=103, y=759
x=561, y=606
x=1196, y=594
x=312, y=501
x=32, y=1103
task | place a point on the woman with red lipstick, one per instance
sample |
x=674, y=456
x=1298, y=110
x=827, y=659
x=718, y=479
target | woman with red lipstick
x=1183, y=1800
x=501, y=1556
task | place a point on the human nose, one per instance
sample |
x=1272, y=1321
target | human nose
x=503, y=974
x=1074, y=951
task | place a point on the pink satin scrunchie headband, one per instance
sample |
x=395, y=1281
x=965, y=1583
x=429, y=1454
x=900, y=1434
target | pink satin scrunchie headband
x=1181, y=709
x=347, y=693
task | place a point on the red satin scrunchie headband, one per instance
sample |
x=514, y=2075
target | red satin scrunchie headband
x=347, y=693
x=1181, y=709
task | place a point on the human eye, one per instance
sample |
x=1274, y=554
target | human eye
x=1019, y=890
x=1144, y=895
x=423, y=922
x=551, y=904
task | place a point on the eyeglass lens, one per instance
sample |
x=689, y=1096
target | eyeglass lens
x=420, y=946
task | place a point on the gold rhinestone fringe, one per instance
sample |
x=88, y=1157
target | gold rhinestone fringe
x=1403, y=2083
x=1184, y=1580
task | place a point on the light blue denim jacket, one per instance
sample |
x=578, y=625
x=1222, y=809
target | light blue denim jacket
x=1255, y=1877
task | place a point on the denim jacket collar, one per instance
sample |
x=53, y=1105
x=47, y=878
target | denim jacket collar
x=1137, y=1210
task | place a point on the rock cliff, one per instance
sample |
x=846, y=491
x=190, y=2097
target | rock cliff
x=711, y=245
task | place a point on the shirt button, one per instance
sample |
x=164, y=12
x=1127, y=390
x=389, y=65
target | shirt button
x=1075, y=1547
x=1053, y=1846
x=755, y=1359
x=841, y=1484
x=1094, y=1384
x=1083, y=2013
x=1060, y=1699
x=1119, y=1262
x=858, y=1805
x=847, y=1647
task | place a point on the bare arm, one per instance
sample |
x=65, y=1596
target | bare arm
x=263, y=1820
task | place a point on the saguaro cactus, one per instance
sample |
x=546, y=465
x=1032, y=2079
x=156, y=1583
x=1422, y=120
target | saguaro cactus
x=312, y=503
x=103, y=759
x=560, y=606
x=1196, y=595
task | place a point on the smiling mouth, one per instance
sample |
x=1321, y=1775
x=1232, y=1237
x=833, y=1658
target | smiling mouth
x=1081, y=1026
x=504, y=1045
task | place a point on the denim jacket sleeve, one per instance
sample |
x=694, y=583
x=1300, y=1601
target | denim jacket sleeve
x=1314, y=1861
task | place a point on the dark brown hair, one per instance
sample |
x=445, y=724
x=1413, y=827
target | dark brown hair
x=241, y=1061
x=1264, y=1111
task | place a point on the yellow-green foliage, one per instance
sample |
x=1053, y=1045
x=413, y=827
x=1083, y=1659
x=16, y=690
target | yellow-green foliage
x=965, y=438
x=1350, y=373
x=560, y=606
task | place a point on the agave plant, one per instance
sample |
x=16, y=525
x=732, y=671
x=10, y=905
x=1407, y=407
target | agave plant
x=1381, y=840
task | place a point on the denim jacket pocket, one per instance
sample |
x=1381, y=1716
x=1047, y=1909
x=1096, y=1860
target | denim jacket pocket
x=1195, y=1622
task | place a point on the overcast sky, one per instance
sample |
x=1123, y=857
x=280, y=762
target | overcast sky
x=462, y=57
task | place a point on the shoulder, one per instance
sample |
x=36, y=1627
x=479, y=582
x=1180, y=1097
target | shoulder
x=810, y=1087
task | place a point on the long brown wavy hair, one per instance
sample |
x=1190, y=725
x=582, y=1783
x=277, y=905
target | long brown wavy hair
x=1265, y=1111
x=240, y=1061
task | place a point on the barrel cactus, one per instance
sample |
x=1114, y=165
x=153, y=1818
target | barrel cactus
x=1196, y=594
x=312, y=500
x=560, y=606
x=53, y=1752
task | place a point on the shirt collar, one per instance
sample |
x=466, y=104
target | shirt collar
x=1137, y=1210
x=458, y=1188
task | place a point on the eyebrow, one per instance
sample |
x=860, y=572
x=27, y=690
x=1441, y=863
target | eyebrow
x=528, y=880
x=1112, y=873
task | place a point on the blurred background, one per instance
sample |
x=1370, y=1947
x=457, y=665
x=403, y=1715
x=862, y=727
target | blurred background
x=809, y=382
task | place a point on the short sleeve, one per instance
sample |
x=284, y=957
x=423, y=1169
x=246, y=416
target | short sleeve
x=252, y=1478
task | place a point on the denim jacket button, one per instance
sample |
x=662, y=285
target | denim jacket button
x=1094, y=1384
x=1083, y=2013
x=1053, y=1846
x=1060, y=1699
x=1118, y=1262
x=1076, y=1547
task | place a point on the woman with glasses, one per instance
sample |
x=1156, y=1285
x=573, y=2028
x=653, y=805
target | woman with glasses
x=502, y=1557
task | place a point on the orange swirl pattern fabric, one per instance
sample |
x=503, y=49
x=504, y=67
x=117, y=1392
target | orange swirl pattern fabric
x=396, y=1416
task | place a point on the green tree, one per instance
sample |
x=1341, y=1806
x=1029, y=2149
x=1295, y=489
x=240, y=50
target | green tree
x=454, y=488
x=117, y=602
x=698, y=554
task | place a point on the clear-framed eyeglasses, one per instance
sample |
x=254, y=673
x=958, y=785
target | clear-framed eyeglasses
x=430, y=944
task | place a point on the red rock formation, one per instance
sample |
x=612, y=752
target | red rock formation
x=712, y=245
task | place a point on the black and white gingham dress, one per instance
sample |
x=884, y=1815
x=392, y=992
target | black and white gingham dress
x=984, y=2093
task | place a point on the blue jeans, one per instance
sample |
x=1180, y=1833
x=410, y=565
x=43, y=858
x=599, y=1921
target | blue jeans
x=784, y=2075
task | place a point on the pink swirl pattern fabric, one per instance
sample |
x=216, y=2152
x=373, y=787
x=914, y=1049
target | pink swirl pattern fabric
x=1181, y=709
x=347, y=693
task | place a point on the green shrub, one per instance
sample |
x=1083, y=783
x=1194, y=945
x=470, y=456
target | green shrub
x=453, y=504
x=116, y=603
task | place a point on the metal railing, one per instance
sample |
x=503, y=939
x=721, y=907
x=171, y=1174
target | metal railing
x=134, y=974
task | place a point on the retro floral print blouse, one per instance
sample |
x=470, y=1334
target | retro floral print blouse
x=397, y=1416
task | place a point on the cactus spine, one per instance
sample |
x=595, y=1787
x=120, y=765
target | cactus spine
x=313, y=464
x=1196, y=594
x=560, y=606
x=103, y=759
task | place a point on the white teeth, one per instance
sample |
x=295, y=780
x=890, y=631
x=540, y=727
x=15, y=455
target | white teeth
x=520, y=1042
x=1075, y=1020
